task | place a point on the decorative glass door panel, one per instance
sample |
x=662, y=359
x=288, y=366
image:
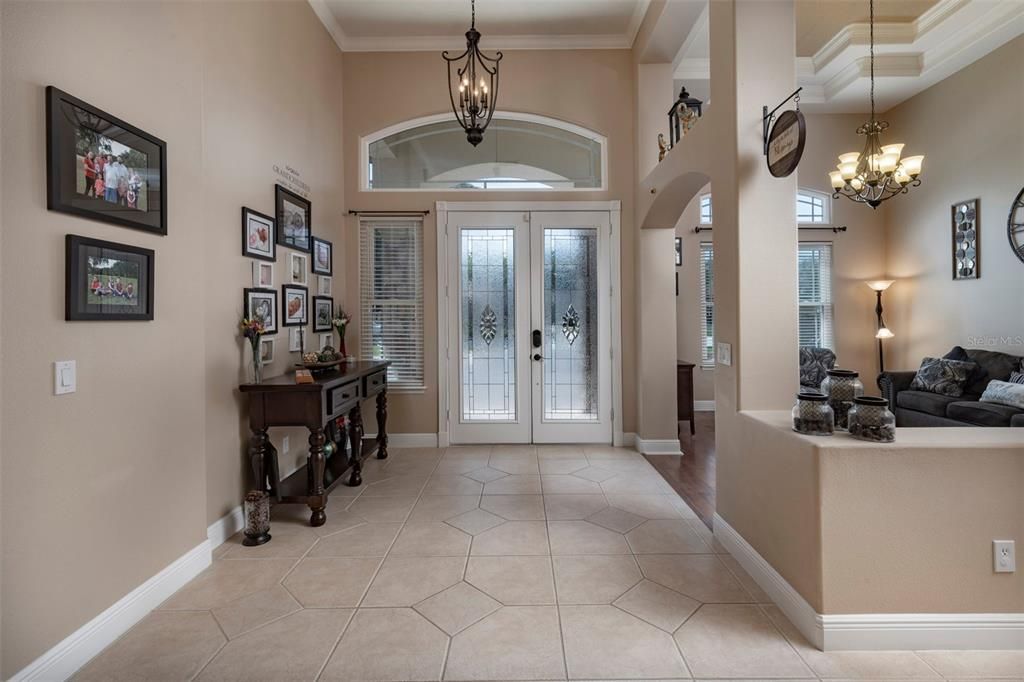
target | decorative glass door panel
x=487, y=260
x=569, y=304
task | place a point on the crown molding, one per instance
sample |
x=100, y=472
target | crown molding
x=347, y=43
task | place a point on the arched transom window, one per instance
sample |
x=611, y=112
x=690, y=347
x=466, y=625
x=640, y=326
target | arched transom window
x=522, y=152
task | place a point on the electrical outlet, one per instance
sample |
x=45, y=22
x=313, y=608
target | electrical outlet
x=284, y=445
x=1004, y=556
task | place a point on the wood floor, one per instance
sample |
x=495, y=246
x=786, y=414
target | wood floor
x=693, y=474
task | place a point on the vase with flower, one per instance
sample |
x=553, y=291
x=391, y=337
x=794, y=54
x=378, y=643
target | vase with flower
x=340, y=323
x=253, y=330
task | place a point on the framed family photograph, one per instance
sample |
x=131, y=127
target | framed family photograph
x=107, y=281
x=262, y=303
x=103, y=168
x=323, y=256
x=262, y=275
x=298, y=269
x=323, y=285
x=294, y=302
x=323, y=312
x=293, y=221
x=258, y=235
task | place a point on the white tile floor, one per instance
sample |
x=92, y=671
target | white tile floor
x=504, y=563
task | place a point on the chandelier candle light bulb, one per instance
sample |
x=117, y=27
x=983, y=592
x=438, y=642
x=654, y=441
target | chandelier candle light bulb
x=876, y=174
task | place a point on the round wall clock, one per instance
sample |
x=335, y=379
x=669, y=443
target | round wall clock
x=1015, y=225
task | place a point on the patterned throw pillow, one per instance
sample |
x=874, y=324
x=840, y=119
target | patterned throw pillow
x=942, y=376
x=1004, y=393
x=1016, y=378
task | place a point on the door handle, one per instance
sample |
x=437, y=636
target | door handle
x=538, y=357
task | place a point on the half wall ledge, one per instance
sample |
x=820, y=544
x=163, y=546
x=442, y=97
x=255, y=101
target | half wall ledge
x=879, y=546
x=675, y=181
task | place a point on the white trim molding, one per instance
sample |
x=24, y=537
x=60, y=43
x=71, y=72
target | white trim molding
x=78, y=648
x=873, y=631
x=224, y=527
x=658, y=447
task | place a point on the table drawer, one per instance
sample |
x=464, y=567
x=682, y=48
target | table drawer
x=343, y=398
x=375, y=383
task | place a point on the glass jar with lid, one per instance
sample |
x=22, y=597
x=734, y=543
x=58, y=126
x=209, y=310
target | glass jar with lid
x=841, y=386
x=870, y=419
x=812, y=415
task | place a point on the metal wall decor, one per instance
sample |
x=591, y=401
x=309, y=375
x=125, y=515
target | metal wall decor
x=1015, y=225
x=476, y=82
x=966, y=244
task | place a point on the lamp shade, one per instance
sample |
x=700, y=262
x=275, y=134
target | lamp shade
x=884, y=333
x=879, y=284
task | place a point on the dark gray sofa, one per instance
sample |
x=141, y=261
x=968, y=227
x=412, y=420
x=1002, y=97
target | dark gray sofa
x=918, y=408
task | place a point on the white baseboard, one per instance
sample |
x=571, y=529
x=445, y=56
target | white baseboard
x=703, y=405
x=410, y=440
x=873, y=631
x=224, y=527
x=78, y=648
x=658, y=447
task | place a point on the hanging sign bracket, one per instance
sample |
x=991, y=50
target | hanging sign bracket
x=769, y=116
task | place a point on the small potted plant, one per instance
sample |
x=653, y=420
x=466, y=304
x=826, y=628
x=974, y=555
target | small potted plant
x=253, y=330
x=340, y=323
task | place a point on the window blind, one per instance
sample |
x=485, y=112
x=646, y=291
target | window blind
x=391, y=297
x=815, y=295
x=707, y=305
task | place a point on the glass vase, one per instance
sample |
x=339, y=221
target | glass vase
x=256, y=368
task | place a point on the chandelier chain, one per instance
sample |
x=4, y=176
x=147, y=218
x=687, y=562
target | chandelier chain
x=472, y=13
x=872, y=51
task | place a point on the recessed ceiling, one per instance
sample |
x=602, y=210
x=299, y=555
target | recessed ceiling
x=818, y=21
x=408, y=24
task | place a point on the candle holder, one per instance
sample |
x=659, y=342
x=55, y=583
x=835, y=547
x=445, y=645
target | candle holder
x=256, y=508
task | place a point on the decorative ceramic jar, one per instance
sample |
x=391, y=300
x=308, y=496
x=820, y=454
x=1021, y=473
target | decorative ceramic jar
x=812, y=415
x=256, y=508
x=841, y=386
x=870, y=419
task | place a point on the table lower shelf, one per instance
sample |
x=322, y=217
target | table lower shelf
x=295, y=488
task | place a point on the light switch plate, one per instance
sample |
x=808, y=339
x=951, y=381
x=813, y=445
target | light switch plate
x=725, y=354
x=1004, y=556
x=65, y=377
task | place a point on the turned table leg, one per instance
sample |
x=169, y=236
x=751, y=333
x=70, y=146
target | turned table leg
x=355, y=438
x=257, y=457
x=382, y=424
x=317, y=495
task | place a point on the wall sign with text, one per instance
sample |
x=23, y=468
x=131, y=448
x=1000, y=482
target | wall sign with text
x=786, y=143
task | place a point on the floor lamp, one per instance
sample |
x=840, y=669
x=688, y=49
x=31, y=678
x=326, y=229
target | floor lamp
x=878, y=286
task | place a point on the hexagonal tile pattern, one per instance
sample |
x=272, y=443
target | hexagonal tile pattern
x=442, y=507
x=389, y=645
x=572, y=507
x=452, y=485
x=404, y=581
x=594, y=579
x=288, y=542
x=583, y=537
x=618, y=520
x=593, y=473
x=382, y=509
x=515, y=507
x=254, y=610
x=525, y=465
x=431, y=539
x=513, y=643
x=737, y=640
x=513, y=580
x=297, y=516
x=647, y=506
x=513, y=538
x=568, y=484
x=666, y=537
x=226, y=581
x=658, y=605
x=699, y=576
x=485, y=474
x=369, y=539
x=476, y=521
x=457, y=608
x=515, y=484
x=331, y=582
x=603, y=642
x=562, y=466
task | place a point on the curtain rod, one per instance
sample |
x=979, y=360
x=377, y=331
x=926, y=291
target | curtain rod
x=395, y=213
x=834, y=229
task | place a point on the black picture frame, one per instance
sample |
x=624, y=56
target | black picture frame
x=97, y=269
x=251, y=296
x=287, y=291
x=285, y=203
x=252, y=221
x=328, y=303
x=74, y=126
x=318, y=244
x=679, y=251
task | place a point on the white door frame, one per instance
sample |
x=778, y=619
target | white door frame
x=614, y=209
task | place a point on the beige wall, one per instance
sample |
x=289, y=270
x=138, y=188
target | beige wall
x=105, y=487
x=858, y=253
x=980, y=156
x=592, y=88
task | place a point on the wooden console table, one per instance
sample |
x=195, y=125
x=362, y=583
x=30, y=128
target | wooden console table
x=684, y=393
x=282, y=402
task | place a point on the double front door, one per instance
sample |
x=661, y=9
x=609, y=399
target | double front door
x=529, y=315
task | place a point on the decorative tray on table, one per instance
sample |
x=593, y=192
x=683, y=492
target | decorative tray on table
x=325, y=360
